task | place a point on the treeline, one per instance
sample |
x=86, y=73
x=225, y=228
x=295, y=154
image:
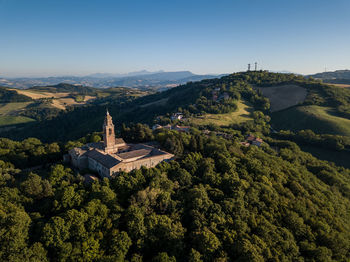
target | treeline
x=217, y=202
x=41, y=109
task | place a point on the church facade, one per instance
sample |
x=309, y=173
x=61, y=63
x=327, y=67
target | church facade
x=113, y=155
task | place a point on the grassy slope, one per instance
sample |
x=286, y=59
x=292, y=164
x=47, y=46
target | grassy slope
x=319, y=119
x=241, y=115
x=8, y=108
x=8, y=113
x=12, y=120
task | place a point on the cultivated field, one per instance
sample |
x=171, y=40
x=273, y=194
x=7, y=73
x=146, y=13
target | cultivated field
x=243, y=114
x=339, y=85
x=60, y=100
x=285, y=96
x=317, y=118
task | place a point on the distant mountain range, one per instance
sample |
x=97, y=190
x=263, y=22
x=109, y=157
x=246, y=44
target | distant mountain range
x=335, y=77
x=159, y=80
x=338, y=74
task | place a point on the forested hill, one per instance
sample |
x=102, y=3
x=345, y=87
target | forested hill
x=9, y=96
x=69, y=88
x=193, y=99
x=219, y=201
x=335, y=77
x=338, y=74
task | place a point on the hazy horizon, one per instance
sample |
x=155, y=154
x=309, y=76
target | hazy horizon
x=64, y=38
x=122, y=74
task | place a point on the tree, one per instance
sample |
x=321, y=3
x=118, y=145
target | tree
x=14, y=227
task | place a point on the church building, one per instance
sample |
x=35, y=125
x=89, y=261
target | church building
x=113, y=155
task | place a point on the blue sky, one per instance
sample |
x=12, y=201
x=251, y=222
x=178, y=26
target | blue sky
x=73, y=37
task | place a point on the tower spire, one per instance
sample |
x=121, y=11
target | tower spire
x=108, y=134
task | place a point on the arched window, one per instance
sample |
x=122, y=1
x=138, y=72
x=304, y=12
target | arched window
x=110, y=131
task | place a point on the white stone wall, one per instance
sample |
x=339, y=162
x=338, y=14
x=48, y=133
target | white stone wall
x=146, y=162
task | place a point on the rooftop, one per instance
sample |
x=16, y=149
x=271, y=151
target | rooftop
x=135, y=153
x=104, y=159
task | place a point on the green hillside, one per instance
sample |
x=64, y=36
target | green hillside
x=199, y=101
x=13, y=120
x=321, y=120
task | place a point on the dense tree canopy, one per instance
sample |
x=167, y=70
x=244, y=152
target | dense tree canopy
x=217, y=202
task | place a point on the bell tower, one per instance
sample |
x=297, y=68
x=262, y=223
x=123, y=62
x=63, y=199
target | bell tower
x=108, y=134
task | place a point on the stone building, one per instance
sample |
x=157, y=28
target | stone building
x=113, y=155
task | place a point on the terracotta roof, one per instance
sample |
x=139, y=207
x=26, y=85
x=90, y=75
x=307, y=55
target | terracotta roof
x=135, y=153
x=105, y=160
x=250, y=138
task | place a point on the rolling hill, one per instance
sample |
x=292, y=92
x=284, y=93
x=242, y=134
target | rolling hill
x=142, y=80
x=7, y=96
x=338, y=74
x=45, y=102
x=323, y=110
x=340, y=77
x=321, y=120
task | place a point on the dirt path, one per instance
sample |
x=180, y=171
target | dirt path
x=158, y=102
